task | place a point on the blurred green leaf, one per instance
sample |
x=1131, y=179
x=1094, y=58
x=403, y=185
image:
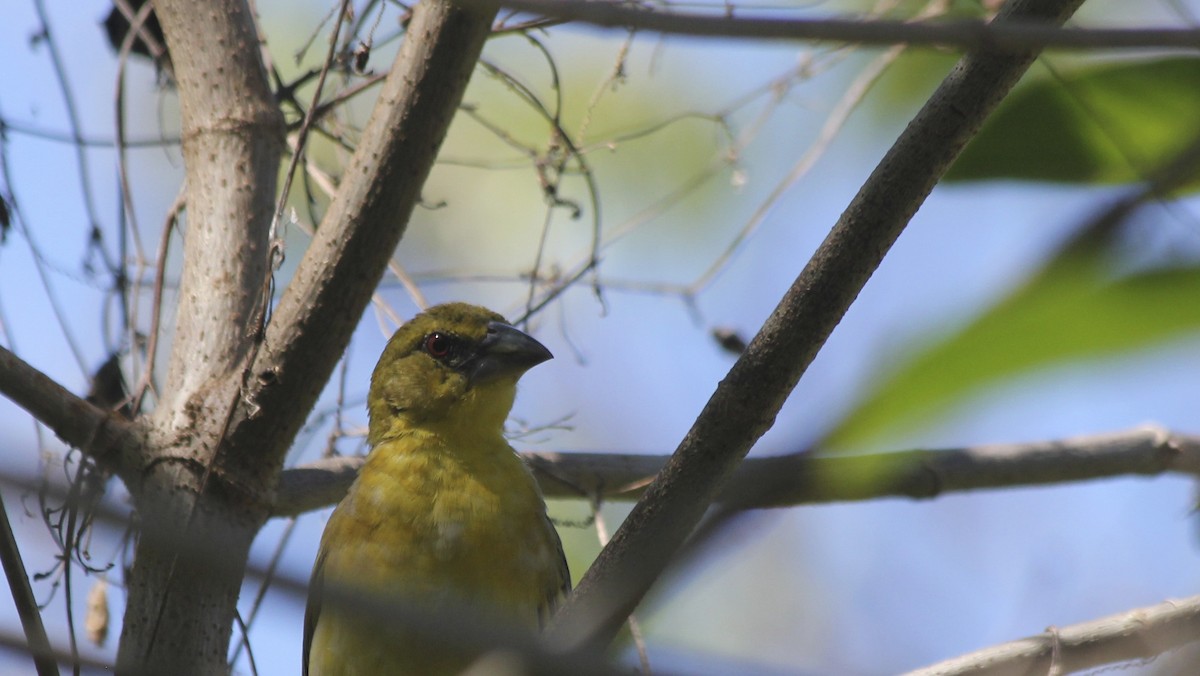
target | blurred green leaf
x=1109, y=124
x=909, y=82
x=1073, y=309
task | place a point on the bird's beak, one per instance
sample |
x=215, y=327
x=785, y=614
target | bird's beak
x=506, y=350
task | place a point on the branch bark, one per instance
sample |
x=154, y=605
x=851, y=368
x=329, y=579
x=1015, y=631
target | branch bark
x=805, y=478
x=235, y=397
x=962, y=34
x=36, y=641
x=232, y=132
x=178, y=608
x=747, y=400
x=114, y=443
x=1144, y=633
x=325, y=299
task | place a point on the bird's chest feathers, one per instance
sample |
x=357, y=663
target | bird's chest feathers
x=465, y=518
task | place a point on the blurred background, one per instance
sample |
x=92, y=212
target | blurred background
x=713, y=170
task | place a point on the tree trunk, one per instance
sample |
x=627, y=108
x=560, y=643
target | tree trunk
x=200, y=511
x=236, y=394
x=183, y=589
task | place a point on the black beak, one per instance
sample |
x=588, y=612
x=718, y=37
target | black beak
x=506, y=351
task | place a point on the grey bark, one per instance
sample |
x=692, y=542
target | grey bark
x=236, y=396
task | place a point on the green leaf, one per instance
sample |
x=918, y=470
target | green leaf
x=1109, y=124
x=1072, y=310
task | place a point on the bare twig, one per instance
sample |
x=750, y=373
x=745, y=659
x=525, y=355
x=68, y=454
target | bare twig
x=298, y=146
x=72, y=110
x=963, y=34
x=603, y=534
x=328, y=185
x=96, y=663
x=1138, y=634
x=137, y=30
x=86, y=141
x=22, y=593
x=837, y=119
x=146, y=382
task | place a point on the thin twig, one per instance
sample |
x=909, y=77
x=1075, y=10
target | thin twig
x=60, y=71
x=22, y=593
x=635, y=627
x=34, y=131
x=136, y=30
x=146, y=383
x=838, y=116
x=1142, y=633
x=965, y=34
x=245, y=631
x=329, y=186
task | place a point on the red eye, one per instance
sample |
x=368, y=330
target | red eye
x=438, y=345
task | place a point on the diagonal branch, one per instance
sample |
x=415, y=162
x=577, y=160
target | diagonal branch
x=113, y=442
x=746, y=401
x=805, y=478
x=22, y=593
x=1140, y=634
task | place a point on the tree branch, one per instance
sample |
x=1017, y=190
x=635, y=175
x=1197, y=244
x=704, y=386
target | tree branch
x=924, y=474
x=178, y=609
x=963, y=34
x=1138, y=634
x=325, y=299
x=113, y=442
x=232, y=133
x=746, y=401
x=804, y=478
x=27, y=606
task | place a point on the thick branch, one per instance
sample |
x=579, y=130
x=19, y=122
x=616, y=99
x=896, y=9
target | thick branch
x=962, y=34
x=325, y=299
x=232, y=143
x=746, y=401
x=178, y=609
x=804, y=478
x=1139, y=634
x=113, y=442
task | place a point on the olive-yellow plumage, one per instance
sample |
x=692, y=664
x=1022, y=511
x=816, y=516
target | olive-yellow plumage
x=443, y=510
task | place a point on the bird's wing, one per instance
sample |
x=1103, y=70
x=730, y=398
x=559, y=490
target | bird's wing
x=559, y=590
x=312, y=609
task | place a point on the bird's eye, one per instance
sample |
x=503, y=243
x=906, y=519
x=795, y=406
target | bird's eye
x=438, y=345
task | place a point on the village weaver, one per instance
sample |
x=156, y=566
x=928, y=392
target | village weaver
x=443, y=510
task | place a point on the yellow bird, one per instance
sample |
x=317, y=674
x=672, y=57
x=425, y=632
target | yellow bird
x=443, y=510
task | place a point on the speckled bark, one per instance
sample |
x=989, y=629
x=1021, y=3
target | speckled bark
x=231, y=406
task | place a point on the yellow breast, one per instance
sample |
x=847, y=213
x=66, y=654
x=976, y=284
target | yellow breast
x=443, y=525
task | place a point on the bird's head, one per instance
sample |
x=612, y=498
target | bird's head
x=452, y=366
